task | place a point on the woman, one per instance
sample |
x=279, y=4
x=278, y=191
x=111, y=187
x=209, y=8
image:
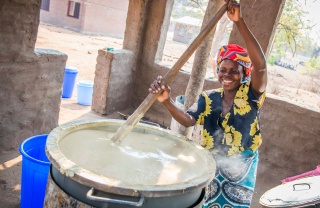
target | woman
x=230, y=117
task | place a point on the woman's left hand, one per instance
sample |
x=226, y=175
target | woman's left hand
x=233, y=12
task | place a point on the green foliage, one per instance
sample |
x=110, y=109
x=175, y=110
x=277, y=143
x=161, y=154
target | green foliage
x=272, y=59
x=292, y=30
x=313, y=64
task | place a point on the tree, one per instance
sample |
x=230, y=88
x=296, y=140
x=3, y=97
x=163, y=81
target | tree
x=192, y=8
x=292, y=31
x=199, y=68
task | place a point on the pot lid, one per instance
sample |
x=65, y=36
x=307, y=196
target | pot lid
x=164, y=164
x=295, y=193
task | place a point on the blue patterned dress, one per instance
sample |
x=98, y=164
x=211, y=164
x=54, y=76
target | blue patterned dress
x=233, y=141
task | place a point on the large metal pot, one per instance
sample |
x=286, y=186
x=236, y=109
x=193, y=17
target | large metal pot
x=304, y=192
x=100, y=190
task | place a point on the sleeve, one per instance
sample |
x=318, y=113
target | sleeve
x=197, y=109
x=259, y=101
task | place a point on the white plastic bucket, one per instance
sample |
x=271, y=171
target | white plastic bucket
x=84, y=92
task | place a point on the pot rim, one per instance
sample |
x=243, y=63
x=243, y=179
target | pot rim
x=103, y=183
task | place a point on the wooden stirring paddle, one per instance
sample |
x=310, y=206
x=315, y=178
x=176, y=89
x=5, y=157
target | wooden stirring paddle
x=128, y=125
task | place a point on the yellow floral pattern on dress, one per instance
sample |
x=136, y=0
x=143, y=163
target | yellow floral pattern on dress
x=225, y=121
x=261, y=100
x=231, y=137
x=254, y=127
x=207, y=140
x=207, y=111
x=241, y=105
x=234, y=135
x=220, y=90
x=256, y=142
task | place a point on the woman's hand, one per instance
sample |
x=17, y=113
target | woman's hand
x=156, y=87
x=259, y=75
x=233, y=12
x=164, y=98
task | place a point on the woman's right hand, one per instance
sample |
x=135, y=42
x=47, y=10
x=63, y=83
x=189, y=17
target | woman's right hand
x=156, y=87
x=233, y=11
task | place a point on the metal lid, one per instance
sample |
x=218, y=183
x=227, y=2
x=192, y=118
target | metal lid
x=295, y=193
x=111, y=185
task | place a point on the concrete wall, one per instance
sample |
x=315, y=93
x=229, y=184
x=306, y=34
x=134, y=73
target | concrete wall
x=31, y=80
x=290, y=143
x=58, y=15
x=105, y=18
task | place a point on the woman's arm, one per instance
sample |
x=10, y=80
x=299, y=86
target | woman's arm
x=164, y=98
x=259, y=72
x=180, y=116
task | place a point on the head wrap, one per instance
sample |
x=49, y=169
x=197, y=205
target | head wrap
x=235, y=53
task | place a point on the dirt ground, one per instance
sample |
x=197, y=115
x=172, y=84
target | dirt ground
x=297, y=86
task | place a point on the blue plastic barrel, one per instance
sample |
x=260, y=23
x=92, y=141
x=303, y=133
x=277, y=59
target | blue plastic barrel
x=69, y=79
x=84, y=92
x=35, y=170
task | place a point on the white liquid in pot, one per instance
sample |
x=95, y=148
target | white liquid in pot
x=140, y=159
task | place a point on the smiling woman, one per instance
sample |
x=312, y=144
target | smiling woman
x=229, y=116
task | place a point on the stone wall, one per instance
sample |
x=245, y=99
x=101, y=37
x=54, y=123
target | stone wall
x=30, y=97
x=31, y=80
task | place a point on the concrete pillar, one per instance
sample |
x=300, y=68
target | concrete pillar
x=19, y=22
x=31, y=80
x=157, y=25
x=145, y=35
x=135, y=23
x=262, y=18
x=113, y=82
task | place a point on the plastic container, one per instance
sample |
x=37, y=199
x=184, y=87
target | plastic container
x=69, y=79
x=35, y=170
x=85, y=91
x=315, y=172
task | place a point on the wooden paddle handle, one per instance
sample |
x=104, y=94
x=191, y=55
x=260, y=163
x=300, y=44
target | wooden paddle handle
x=132, y=120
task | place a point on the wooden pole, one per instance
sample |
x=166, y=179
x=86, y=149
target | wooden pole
x=127, y=126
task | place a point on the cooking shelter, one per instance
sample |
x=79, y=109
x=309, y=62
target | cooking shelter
x=31, y=82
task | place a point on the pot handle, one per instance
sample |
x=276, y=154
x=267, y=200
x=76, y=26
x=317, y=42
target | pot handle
x=300, y=184
x=90, y=195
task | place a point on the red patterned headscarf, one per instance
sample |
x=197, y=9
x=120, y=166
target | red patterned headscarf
x=235, y=53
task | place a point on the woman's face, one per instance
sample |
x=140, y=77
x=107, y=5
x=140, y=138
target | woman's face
x=230, y=74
